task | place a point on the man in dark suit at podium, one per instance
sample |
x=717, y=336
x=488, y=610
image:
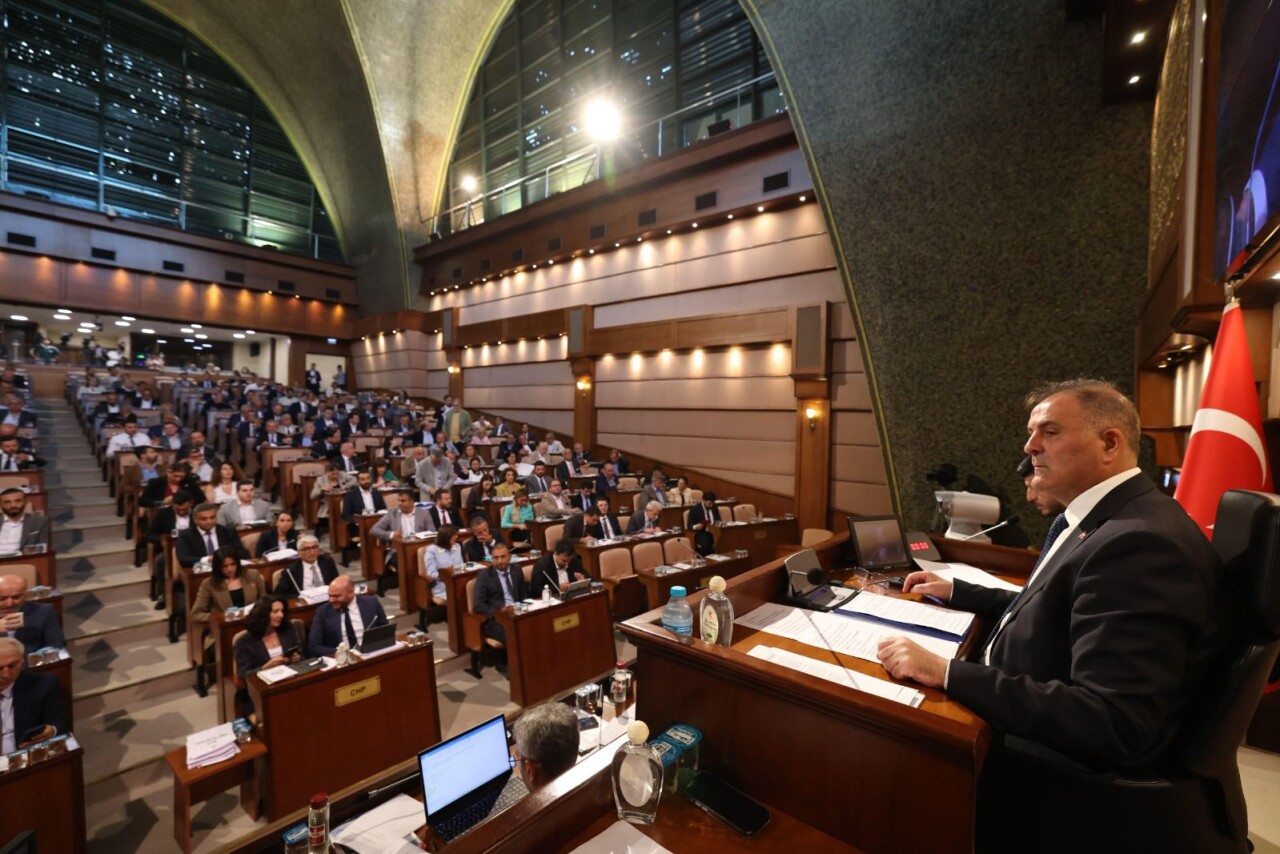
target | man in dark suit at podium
x=345, y=616
x=1100, y=654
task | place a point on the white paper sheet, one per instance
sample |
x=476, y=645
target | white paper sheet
x=620, y=838
x=384, y=830
x=279, y=673
x=910, y=612
x=840, y=675
x=858, y=638
x=965, y=572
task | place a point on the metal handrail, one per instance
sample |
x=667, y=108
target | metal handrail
x=459, y=217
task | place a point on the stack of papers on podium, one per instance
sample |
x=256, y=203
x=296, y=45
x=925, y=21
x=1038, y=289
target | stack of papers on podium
x=909, y=614
x=840, y=675
x=964, y=572
x=211, y=746
x=823, y=630
x=315, y=595
x=620, y=838
x=279, y=673
x=719, y=557
x=385, y=829
x=281, y=554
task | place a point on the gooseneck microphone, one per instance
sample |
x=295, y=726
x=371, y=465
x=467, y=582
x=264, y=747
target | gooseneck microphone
x=1012, y=520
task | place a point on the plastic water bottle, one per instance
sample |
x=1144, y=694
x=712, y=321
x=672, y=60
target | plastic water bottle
x=677, y=616
x=717, y=614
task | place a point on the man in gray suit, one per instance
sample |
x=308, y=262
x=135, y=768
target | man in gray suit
x=433, y=474
x=35, y=624
x=656, y=489
x=405, y=520
x=19, y=529
x=245, y=509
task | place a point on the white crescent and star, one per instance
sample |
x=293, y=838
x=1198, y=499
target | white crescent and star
x=1221, y=421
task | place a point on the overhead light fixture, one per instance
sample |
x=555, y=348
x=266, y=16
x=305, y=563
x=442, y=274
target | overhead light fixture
x=64, y=311
x=803, y=198
x=1139, y=37
x=601, y=120
x=162, y=340
x=237, y=334
x=668, y=231
x=1134, y=79
x=196, y=326
x=469, y=183
x=759, y=208
x=695, y=225
x=148, y=332
x=250, y=332
x=1276, y=275
x=123, y=323
x=17, y=317
x=730, y=216
x=591, y=252
x=201, y=336
x=127, y=317
x=189, y=340
x=187, y=329
x=617, y=245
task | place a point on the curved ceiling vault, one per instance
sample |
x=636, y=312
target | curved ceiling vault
x=369, y=92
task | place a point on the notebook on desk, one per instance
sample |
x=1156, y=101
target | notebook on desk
x=468, y=778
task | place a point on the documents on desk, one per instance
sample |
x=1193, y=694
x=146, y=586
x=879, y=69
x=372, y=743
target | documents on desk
x=211, y=746
x=718, y=557
x=281, y=554
x=385, y=829
x=858, y=638
x=840, y=675
x=315, y=595
x=909, y=614
x=620, y=838
x=965, y=572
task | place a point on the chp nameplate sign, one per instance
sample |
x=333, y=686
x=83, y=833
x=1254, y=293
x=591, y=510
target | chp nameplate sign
x=357, y=691
x=568, y=621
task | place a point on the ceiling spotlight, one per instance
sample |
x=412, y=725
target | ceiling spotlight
x=127, y=317
x=550, y=261
x=760, y=209
x=162, y=340
x=189, y=340
x=64, y=311
x=617, y=245
x=1138, y=38
x=148, y=332
x=17, y=317
x=803, y=198
x=201, y=336
x=237, y=334
x=730, y=216
x=695, y=225
x=1134, y=79
x=535, y=266
x=638, y=239
x=602, y=120
x=187, y=329
x=668, y=231
x=592, y=252
x=123, y=323
x=196, y=326
x=250, y=332
x=1276, y=276
x=469, y=183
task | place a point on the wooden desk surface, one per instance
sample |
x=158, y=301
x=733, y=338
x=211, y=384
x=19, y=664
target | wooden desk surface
x=308, y=722
x=760, y=539
x=45, y=562
x=896, y=755
x=658, y=587
x=47, y=797
x=554, y=649
x=590, y=552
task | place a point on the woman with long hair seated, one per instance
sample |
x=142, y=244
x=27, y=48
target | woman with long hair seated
x=281, y=535
x=226, y=481
x=479, y=494
x=268, y=640
x=516, y=518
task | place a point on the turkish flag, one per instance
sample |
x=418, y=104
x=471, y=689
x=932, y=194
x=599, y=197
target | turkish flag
x=1226, y=449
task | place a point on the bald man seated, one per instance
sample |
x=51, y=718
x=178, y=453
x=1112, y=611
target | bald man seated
x=32, y=705
x=34, y=624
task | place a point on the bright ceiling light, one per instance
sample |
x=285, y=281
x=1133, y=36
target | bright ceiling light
x=237, y=334
x=1134, y=79
x=470, y=184
x=148, y=332
x=189, y=340
x=127, y=317
x=601, y=120
x=17, y=317
x=1138, y=38
x=250, y=332
x=196, y=326
x=187, y=329
x=123, y=323
x=162, y=340
x=201, y=336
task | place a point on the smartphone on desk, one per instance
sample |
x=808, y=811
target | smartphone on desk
x=713, y=795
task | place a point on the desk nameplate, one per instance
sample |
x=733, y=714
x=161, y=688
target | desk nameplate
x=357, y=691
x=568, y=621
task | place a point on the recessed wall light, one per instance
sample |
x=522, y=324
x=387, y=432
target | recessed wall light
x=187, y=329
x=201, y=336
x=1134, y=79
x=760, y=209
x=1138, y=38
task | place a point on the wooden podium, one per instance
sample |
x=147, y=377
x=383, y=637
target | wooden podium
x=554, y=649
x=46, y=797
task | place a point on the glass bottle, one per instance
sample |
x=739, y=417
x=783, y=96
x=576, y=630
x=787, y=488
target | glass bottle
x=318, y=824
x=717, y=614
x=637, y=777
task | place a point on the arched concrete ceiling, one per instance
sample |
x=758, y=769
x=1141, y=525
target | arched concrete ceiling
x=369, y=91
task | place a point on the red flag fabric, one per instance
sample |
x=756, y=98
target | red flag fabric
x=1226, y=449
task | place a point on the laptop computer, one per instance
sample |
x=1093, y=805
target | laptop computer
x=810, y=593
x=468, y=778
x=378, y=638
x=879, y=545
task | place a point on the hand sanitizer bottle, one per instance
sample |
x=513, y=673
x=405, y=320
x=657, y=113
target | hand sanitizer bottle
x=717, y=614
x=637, y=777
x=342, y=655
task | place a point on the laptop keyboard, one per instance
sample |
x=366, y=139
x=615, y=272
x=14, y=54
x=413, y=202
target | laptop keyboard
x=460, y=822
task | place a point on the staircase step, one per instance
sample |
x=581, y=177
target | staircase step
x=82, y=575
x=116, y=662
x=133, y=585
x=71, y=494
x=102, y=510
x=105, y=537
x=91, y=620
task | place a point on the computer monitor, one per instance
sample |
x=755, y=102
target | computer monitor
x=879, y=544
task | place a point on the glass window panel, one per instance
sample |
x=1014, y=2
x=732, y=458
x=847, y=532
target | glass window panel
x=497, y=100
x=536, y=13
x=539, y=43
x=700, y=17
x=500, y=126
x=541, y=72
x=499, y=69
x=500, y=153
x=772, y=101
x=541, y=104
x=631, y=18
x=730, y=43
x=587, y=45
x=584, y=15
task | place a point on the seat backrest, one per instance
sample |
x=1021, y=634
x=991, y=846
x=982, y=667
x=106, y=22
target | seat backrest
x=527, y=569
x=235, y=640
x=275, y=577
x=628, y=483
x=25, y=571
x=695, y=496
x=725, y=511
x=471, y=596
x=250, y=541
x=1246, y=536
x=646, y=555
x=554, y=534
x=615, y=563
x=11, y=479
x=677, y=549
x=744, y=512
x=208, y=491
x=317, y=468
x=638, y=501
x=812, y=536
x=464, y=494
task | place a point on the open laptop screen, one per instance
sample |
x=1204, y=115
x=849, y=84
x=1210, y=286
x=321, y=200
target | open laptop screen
x=455, y=768
x=879, y=542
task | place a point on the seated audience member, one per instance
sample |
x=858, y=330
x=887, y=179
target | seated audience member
x=15, y=414
x=509, y=486
x=580, y=525
x=161, y=491
x=343, y=618
x=554, y=446
x=474, y=472
x=348, y=460
x=310, y=570
x=384, y=474
x=621, y=464
x=1127, y=617
x=556, y=571
x=656, y=489
x=647, y=520
x=444, y=553
x=229, y=585
x=201, y=470
x=479, y=436
x=393, y=446
x=32, y=705
x=198, y=445
x=268, y=641
x=245, y=510
x=681, y=494
x=173, y=518
x=702, y=518
x=227, y=484
x=20, y=529
x=14, y=458
x=607, y=480
x=362, y=498
x=553, y=501
x=479, y=494
x=169, y=436
x=609, y=526
x=205, y=536
x=516, y=518
x=404, y=520
x=35, y=624
x=281, y=535
x=510, y=460
x=148, y=469
x=443, y=513
x=128, y=439
x=538, y=482
x=335, y=479
x=546, y=743
x=498, y=586
x=480, y=547
x=584, y=499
